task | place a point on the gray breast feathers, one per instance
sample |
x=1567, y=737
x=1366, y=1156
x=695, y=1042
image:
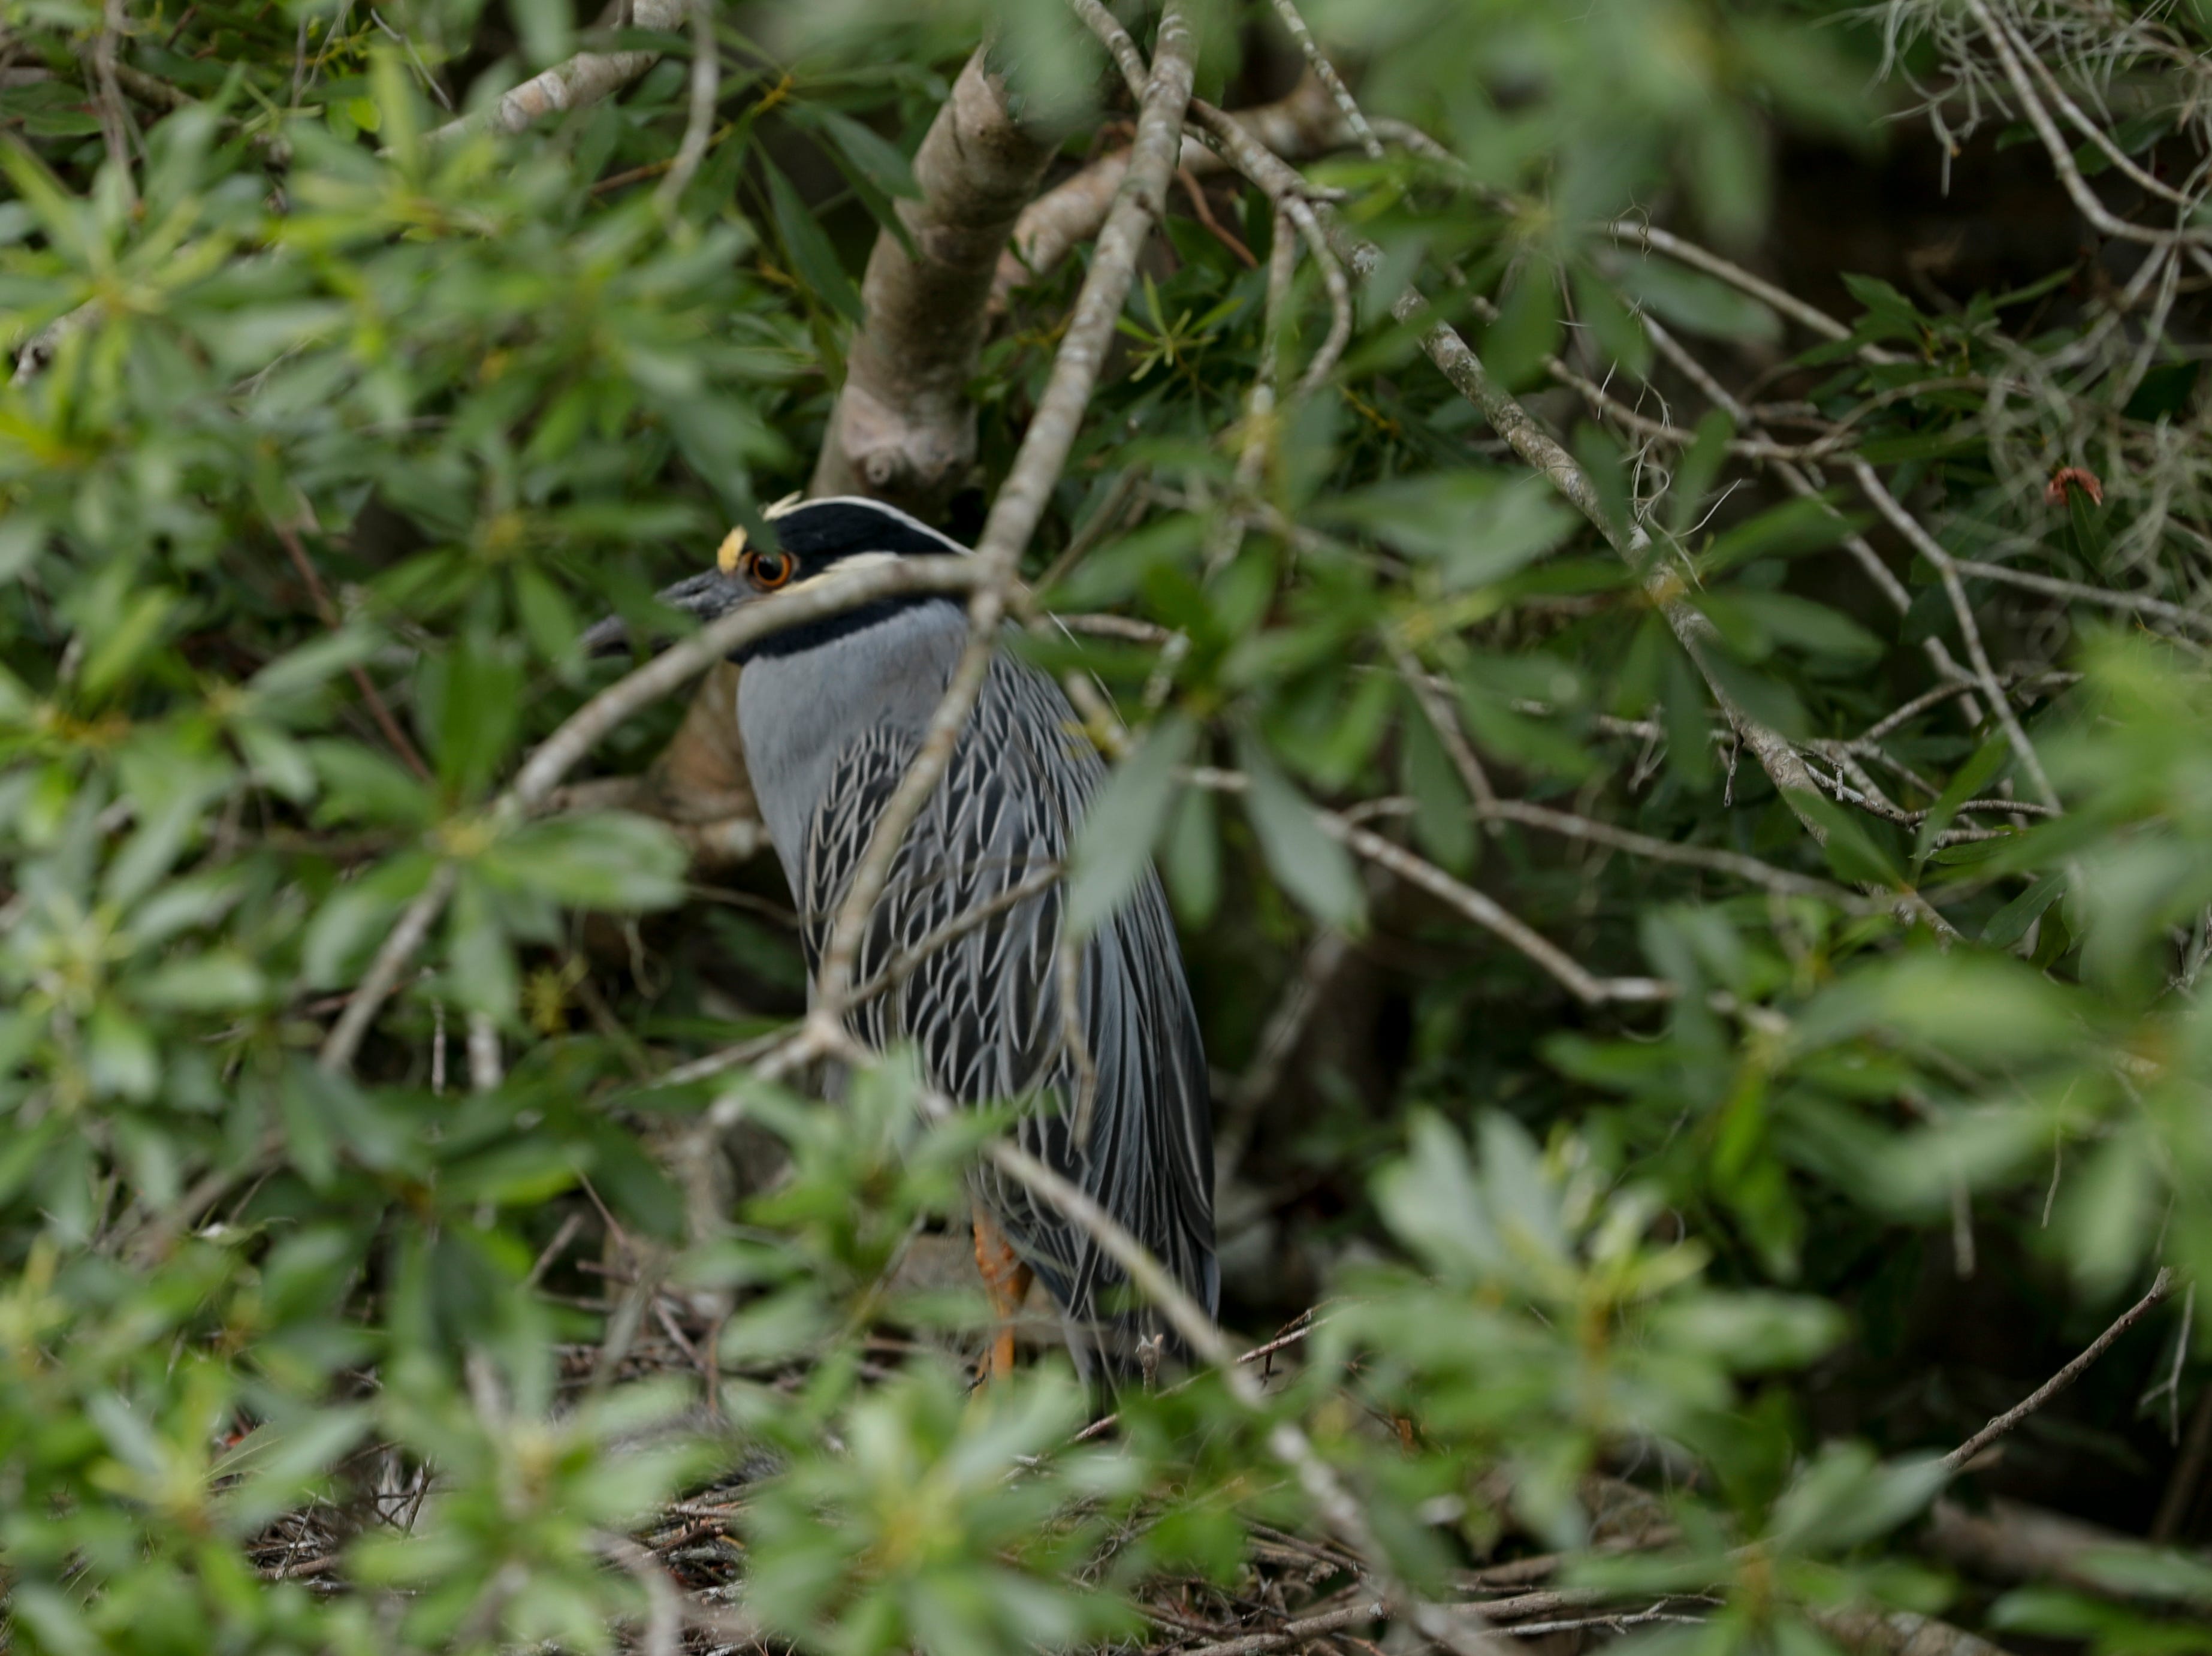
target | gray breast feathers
x=986, y=1010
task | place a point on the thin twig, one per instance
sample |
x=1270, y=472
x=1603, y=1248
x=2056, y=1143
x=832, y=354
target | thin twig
x=1288, y=11
x=2161, y=1285
x=554, y=757
x=2052, y=587
x=1871, y=485
x=2061, y=153
x=1461, y=1631
x=699, y=127
x=1305, y=1630
x=1788, y=304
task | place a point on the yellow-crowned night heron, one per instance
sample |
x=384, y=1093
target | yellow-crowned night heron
x=831, y=713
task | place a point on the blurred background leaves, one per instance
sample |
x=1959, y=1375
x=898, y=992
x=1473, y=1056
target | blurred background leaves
x=335, y=428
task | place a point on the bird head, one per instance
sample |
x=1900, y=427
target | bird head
x=812, y=540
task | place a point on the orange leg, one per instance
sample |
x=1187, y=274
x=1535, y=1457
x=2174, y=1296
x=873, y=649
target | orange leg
x=1005, y=1284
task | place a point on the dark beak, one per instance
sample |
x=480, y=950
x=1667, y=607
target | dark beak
x=705, y=596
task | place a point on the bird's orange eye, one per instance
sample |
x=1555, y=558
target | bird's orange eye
x=769, y=570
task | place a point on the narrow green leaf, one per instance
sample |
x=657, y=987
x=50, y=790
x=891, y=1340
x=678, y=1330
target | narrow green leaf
x=1115, y=845
x=1314, y=869
x=804, y=239
x=2010, y=924
x=1527, y=330
x=1966, y=782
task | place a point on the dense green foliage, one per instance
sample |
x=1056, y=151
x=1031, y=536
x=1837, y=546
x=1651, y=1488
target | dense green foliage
x=348, y=428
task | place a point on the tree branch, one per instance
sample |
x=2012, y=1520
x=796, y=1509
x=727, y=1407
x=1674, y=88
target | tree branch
x=583, y=728
x=583, y=79
x=1458, y=363
x=1302, y=124
x=903, y=428
x=2160, y=1286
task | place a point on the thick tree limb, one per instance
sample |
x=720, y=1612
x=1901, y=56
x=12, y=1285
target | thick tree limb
x=903, y=428
x=583, y=79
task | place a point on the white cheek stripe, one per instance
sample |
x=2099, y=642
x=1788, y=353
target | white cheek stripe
x=852, y=561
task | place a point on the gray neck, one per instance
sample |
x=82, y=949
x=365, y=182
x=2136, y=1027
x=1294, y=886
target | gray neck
x=796, y=713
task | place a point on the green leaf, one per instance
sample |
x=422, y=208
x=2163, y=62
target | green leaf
x=1431, y=1201
x=1789, y=530
x=1313, y=868
x=472, y=708
x=482, y=973
x=301, y=672
x=2085, y=519
x=608, y=860
x=119, y=645
x=815, y=259
x=1846, y=1497
x=1113, y=846
x=547, y=31
x=1850, y=850
x=2108, y=1211
x=1527, y=331
x=2010, y=924
x=1697, y=302
x=1479, y=526
x=1441, y=806
x=362, y=785
x=1192, y=858
x=215, y=981
x=277, y=1467
x=874, y=157
x=1966, y=783
x=1813, y=627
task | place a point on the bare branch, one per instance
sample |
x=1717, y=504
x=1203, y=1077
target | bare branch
x=1779, y=299
x=1487, y=913
x=1306, y=1629
x=1871, y=485
x=1326, y=72
x=1302, y=124
x=2008, y=1541
x=2051, y=587
x=391, y=958
x=2060, y=152
x=1871, y=1630
x=542, y=771
x=107, y=95
x=2161, y=1285
x=583, y=79
x=1484, y=910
